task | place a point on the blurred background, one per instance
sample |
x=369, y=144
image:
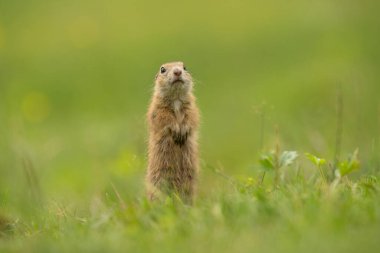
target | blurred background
x=76, y=78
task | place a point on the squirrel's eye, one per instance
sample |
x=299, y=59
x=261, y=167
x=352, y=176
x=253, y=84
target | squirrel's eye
x=184, y=68
x=162, y=70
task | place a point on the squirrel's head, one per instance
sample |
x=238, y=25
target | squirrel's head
x=173, y=79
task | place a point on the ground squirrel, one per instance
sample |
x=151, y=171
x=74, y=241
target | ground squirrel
x=172, y=121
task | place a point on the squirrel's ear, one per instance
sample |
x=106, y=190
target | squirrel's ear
x=156, y=77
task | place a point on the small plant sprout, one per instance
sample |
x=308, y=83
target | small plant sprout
x=287, y=158
x=348, y=166
x=273, y=161
x=343, y=168
x=319, y=162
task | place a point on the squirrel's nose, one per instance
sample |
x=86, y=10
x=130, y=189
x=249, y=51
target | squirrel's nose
x=177, y=72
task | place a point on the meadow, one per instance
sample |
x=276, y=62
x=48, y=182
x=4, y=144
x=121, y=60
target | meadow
x=289, y=139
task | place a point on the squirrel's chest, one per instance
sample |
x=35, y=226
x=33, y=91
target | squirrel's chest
x=178, y=110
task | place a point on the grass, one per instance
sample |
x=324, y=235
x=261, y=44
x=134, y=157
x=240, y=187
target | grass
x=301, y=213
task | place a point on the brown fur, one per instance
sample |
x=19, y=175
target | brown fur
x=173, y=122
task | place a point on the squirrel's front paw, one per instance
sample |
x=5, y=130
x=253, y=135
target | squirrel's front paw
x=180, y=138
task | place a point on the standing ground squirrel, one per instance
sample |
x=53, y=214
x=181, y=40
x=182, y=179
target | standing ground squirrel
x=172, y=121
